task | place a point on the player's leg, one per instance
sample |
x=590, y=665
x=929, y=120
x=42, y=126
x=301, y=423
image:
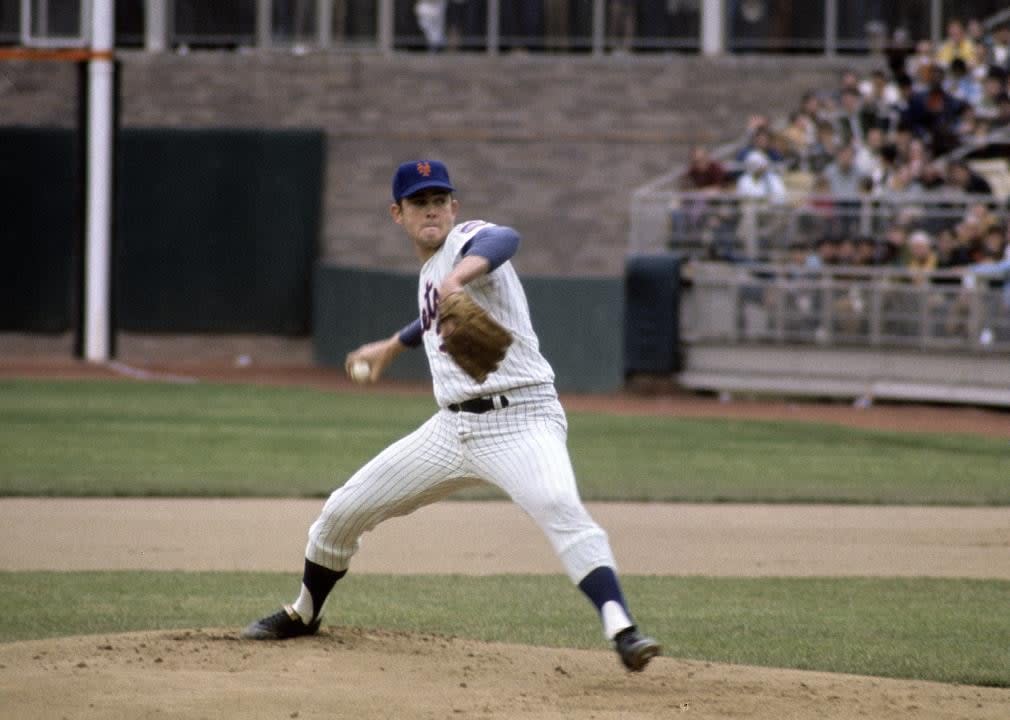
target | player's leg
x=529, y=460
x=414, y=471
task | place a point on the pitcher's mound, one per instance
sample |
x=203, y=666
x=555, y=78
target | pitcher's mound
x=360, y=674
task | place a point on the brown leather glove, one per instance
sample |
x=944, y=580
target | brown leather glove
x=474, y=340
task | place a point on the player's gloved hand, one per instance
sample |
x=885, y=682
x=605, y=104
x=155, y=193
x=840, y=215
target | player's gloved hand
x=472, y=338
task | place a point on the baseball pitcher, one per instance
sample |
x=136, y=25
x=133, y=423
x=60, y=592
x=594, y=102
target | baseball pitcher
x=499, y=419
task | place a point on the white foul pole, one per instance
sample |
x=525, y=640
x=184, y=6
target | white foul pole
x=98, y=240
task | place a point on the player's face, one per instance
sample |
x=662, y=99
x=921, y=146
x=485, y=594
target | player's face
x=427, y=217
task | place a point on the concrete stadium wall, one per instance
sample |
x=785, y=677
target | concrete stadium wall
x=551, y=145
x=855, y=373
x=578, y=320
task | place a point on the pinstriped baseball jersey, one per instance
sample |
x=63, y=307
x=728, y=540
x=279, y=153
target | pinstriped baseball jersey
x=501, y=294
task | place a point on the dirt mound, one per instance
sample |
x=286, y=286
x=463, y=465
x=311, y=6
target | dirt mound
x=348, y=673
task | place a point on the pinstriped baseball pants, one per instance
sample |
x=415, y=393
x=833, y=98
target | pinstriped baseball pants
x=521, y=449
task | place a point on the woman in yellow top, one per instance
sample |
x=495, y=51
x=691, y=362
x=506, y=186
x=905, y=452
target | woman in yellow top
x=957, y=45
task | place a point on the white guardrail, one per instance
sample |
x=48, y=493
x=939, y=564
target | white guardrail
x=724, y=226
x=844, y=306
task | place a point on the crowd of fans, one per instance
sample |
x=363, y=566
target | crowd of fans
x=890, y=136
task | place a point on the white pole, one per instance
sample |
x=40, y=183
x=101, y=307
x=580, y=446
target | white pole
x=713, y=37
x=936, y=21
x=324, y=23
x=156, y=26
x=264, y=24
x=493, y=26
x=98, y=245
x=831, y=27
x=599, y=27
x=385, y=21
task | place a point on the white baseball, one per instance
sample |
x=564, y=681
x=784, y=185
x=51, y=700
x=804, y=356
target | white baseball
x=360, y=371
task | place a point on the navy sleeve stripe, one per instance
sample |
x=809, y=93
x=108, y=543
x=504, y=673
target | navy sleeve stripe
x=496, y=243
x=411, y=334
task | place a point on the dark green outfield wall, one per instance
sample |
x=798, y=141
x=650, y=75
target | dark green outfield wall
x=215, y=230
x=579, y=322
x=39, y=228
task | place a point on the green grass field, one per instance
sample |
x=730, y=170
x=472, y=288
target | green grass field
x=119, y=438
x=912, y=628
x=123, y=438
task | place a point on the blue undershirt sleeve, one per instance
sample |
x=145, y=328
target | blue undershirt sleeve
x=496, y=243
x=411, y=334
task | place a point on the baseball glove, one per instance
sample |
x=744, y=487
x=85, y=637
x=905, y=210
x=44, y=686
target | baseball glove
x=474, y=340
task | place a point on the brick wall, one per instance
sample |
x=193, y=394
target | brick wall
x=553, y=146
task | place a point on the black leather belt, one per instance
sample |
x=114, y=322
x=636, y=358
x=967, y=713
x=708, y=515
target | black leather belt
x=479, y=405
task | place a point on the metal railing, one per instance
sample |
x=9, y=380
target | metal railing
x=724, y=226
x=845, y=306
x=711, y=26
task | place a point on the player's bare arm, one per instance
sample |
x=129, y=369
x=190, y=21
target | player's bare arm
x=469, y=268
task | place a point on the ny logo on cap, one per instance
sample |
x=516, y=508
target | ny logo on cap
x=424, y=169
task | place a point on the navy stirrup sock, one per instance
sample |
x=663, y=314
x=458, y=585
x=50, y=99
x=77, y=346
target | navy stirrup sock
x=319, y=581
x=601, y=586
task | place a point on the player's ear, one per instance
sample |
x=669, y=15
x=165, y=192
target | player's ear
x=454, y=205
x=396, y=212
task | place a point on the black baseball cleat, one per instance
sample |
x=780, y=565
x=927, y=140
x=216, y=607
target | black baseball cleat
x=283, y=624
x=635, y=649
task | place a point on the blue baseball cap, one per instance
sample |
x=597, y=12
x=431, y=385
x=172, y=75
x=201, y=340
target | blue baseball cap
x=417, y=175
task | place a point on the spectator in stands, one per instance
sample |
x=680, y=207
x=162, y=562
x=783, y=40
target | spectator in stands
x=933, y=176
x=759, y=181
x=898, y=51
x=868, y=160
x=1002, y=118
x=996, y=268
x=430, y=16
x=892, y=250
x=842, y=175
x=933, y=115
x=975, y=32
x=879, y=94
x=888, y=166
x=967, y=125
x=826, y=256
x=956, y=45
x=822, y=152
x=920, y=257
x=865, y=253
x=902, y=139
x=810, y=106
x=919, y=63
x=917, y=157
x=703, y=172
x=949, y=252
x=993, y=86
x=799, y=136
x=901, y=183
x=994, y=247
x=845, y=251
x=998, y=48
x=962, y=84
x=961, y=177
x=853, y=117
x=899, y=111
x=759, y=137
x=848, y=81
